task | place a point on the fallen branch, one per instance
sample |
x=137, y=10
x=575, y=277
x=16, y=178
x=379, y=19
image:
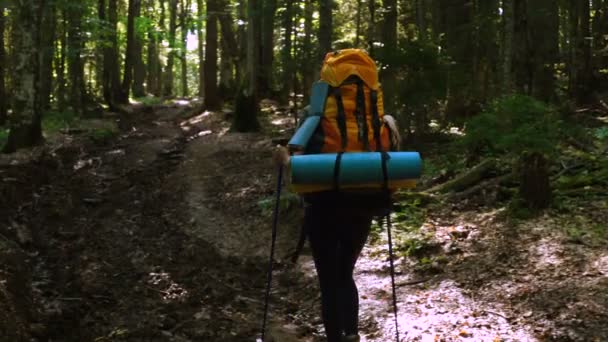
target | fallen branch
x=414, y=282
x=463, y=181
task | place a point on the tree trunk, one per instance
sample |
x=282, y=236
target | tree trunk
x=77, y=92
x=535, y=189
x=325, y=27
x=544, y=41
x=269, y=8
x=112, y=87
x=131, y=52
x=507, y=46
x=169, y=75
x=212, y=100
x=201, y=49
x=153, y=59
x=25, y=120
x=183, y=20
x=371, y=29
x=3, y=97
x=388, y=73
x=61, y=92
x=421, y=19
x=240, y=72
x=486, y=58
x=229, y=53
x=247, y=103
x=286, y=53
x=580, y=63
x=139, y=68
x=160, y=70
x=307, y=50
x=459, y=44
x=47, y=51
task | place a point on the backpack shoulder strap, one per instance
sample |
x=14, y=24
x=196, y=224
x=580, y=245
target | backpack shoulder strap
x=318, y=97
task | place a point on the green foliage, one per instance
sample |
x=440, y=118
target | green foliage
x=601, y=133
x=149, y=100
x=3, y=136
x=102, y=135
x=53, y=122
x=421, y=76
x=579, y=229
x=514, y=124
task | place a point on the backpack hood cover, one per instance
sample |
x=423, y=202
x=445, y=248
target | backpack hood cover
x=339, y=65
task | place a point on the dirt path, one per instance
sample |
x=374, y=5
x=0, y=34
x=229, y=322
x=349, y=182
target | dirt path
x=163, y=234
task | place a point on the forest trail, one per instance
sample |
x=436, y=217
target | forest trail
x=162, y=234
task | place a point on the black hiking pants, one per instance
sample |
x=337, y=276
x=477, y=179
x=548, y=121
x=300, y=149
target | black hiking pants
x=337, y=236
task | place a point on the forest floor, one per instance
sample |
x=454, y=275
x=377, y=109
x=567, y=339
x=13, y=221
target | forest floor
x=161, y=232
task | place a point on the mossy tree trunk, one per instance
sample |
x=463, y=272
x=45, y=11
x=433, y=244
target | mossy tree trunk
x=24, y=122
x=535, y=189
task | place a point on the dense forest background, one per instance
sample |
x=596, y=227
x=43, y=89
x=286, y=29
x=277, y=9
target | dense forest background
x=441, y=60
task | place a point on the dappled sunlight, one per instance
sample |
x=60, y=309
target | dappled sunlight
x=600, y=265
x=546, y=252
x=195, y=119
x=169, y=290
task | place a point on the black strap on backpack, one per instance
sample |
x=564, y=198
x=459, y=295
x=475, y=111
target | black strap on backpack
x=341, y=116
x=376, y=119
x=361, y=115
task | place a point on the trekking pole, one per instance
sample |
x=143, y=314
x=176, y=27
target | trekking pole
x=272, y=247
x=390, y=254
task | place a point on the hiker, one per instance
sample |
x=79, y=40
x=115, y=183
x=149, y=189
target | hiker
x=337, y=222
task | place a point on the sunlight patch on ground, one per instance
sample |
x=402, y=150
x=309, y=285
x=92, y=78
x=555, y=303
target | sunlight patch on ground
x=601, y=265
x=169, y=290
x=444, y=312
x=547, y=252
x=196, y=119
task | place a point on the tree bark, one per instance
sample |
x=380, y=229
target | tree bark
x=388, y=73
x=25, y=120
x=307, y=50
x=139, y=68
x=371, y=29
x=169, y=73
x=247, y=103
x=507, y=46
x=3, y=95
x=183, y=20
x=535, y=189
x=47, y=51
x=212, y=100
x=269, y=8
x=421, y=19
x=131, y=52
x=111, y=78
x=229, y=52
x=325, y=27
x=241, y=37
x=77, y=93
x=201, y=49
x=580, y=63
x=152, y=57
x=286, y=53
x=60, y=91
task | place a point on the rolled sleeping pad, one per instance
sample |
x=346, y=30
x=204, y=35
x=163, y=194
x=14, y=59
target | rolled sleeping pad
x=358, y=170
x=303, y=134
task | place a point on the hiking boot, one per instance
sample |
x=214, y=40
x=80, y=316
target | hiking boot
x=351, y=338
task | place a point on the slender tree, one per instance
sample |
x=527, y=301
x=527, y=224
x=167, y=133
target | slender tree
x=169, y=73
x=325, y=27
x=75, y=46
x=247, y=100
x=25, y=120
x=286, y=53
x=46, y=51
x=111, y=71
x=201, y=48
x=184, y=20
x=132, y=55
x=388, y=74
x=3, y=97
x=153, y=63
x=508, y=22
x=307, y=49
x=212, y=99
x=269, y=8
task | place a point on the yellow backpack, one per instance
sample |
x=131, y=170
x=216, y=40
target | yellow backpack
x=352, y=109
